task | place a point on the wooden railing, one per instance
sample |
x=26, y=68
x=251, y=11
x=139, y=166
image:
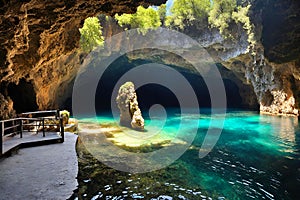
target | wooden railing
x=17, y=126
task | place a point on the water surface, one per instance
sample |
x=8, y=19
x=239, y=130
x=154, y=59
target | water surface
x=256, y=157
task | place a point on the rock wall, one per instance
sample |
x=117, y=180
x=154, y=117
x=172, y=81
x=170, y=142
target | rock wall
x=276, y=85
x=280, y=40
x=40, y=41
x=272, y=64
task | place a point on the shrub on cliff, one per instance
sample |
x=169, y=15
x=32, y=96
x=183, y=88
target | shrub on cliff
x=188, y=12
x=65, y=115
x=91, y=34
x=144, y=19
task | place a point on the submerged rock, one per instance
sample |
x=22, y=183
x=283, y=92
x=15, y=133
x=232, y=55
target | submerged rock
x=130, y=113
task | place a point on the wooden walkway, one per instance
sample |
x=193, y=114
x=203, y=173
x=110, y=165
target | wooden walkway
x=29, y=139
x=16, y=134
x=40, y=172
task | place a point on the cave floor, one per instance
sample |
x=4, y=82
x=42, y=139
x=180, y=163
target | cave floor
x=41, y=172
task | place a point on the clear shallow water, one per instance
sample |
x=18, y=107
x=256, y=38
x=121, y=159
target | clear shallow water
x=256, y=157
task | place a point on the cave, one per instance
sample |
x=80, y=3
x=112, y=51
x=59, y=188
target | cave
x=151, y=94
x=23, y=96
x=255, y=45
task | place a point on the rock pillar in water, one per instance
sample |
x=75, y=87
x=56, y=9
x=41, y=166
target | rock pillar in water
x=130, y=113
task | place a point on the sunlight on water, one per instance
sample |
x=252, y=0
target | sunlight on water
x=256, y=157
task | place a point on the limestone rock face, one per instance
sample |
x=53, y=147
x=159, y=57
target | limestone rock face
x=40, y=43
x=130, y=113
x=6, y=108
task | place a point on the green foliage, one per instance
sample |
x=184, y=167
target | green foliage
x=91, y=34
x=64, y=112
x=224, y=12
x=162, y=13
x=184, y=12
x=65, y=115
x=221, y=14
x=144, y=19
x=241, y=16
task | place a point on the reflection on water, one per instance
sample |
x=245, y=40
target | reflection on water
x=256, y=157
x=287, y=127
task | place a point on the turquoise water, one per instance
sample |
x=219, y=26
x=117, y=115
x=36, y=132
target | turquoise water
x=256, y=157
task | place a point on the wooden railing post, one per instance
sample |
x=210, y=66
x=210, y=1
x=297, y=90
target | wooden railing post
x=13, y=125
x=21, y=128
x=62, y=129
x=43, y=122
x=57, y=114
x=2, y=134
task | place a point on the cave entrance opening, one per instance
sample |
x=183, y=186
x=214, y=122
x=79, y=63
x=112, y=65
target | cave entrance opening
x=23, y=96
x=151, y=94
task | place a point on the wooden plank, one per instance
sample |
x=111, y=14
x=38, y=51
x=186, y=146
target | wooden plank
x=40, y=112
x=10, y=127
x=23, y=118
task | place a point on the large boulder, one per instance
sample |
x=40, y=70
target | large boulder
x=130, y=113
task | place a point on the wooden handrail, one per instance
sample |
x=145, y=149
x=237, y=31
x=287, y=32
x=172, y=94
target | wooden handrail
x=20, y=118
x=19, y=125
x=40, y=112
x=10, y=127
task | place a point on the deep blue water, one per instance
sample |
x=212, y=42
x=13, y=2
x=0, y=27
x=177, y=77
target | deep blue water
x=256, y=157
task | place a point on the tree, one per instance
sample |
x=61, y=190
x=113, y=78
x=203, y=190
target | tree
x=186, y=12
x=162, y=13
x=221, y=14
x=91, y=34
x=144, y=19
